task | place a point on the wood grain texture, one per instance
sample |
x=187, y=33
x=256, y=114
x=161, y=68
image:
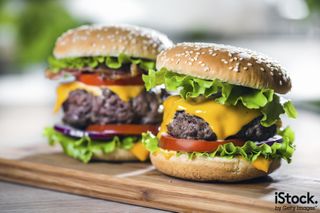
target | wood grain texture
x=140, y=184
x=16, y=198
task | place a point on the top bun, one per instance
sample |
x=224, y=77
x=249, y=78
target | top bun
x=88, y=41
x=227, y=63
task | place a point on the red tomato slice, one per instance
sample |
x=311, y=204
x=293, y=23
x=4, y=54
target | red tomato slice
x=96, y=80
x=124, y=129
x=189, y=145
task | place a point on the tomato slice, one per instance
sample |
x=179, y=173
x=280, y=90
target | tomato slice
x=97, y=80
x=124, y=129
x=190, y=145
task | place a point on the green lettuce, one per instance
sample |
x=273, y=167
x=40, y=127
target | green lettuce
x=84, y=148
x=249, y=151
x=55, y=65
x=224, y=93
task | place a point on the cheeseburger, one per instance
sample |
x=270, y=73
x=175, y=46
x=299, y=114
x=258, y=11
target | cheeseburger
x=223, y=123
x=102, y=96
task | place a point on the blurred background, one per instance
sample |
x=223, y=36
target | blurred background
x=287, y=30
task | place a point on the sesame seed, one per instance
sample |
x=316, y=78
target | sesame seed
x=245, y=68
x=249, y=64
x=262, y=69
x=280, y=82
x=271, y=73
x=230, y=68
x=236, y=68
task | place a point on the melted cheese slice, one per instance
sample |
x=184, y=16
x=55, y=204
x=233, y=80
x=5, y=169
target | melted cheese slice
x=125, y=93
x=139, y=151
x=63, y=91
x=224, y=120
x=262, y=164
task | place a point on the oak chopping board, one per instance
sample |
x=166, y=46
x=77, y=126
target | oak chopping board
x=141, y=184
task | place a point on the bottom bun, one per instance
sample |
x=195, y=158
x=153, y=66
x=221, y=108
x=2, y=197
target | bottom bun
x=209, y=169
x=117, y=155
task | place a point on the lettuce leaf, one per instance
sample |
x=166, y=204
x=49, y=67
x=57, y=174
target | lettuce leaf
x=249, y=151
x=84, y=148
x=224, y=93
x=55, y=65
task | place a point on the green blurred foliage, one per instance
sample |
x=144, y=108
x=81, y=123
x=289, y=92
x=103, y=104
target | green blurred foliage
x=36, y=24
x=314, y=5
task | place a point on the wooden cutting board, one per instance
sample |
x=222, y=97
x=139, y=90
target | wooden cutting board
x=141, y=184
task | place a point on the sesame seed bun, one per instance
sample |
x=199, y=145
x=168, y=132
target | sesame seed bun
x=227, y=63
x=88, y=41
x=117, y=155
x=209, y=169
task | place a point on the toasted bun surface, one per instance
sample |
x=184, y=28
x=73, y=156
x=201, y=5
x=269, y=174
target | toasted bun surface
x=88, y=41
x=230, y=64
x=209, y=169
x=117, y=155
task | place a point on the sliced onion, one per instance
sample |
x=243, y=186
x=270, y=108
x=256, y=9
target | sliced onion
x=75, y=133
x=270, y=141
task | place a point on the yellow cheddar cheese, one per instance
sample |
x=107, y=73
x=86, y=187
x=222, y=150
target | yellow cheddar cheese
x=125, y=93
x=139, y=151
x=167, y=153
x=63, y=91
x=262, y=164
x=224, y=120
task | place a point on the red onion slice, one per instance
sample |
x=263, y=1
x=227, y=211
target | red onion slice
x=270, y=141
x=75, y=133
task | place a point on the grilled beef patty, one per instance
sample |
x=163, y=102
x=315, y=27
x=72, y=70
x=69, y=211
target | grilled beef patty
x=82, y=109
x=192, y=127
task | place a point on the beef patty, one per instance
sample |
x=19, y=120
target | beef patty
x=193, y=127
x=187, y=126
x=82, y=109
